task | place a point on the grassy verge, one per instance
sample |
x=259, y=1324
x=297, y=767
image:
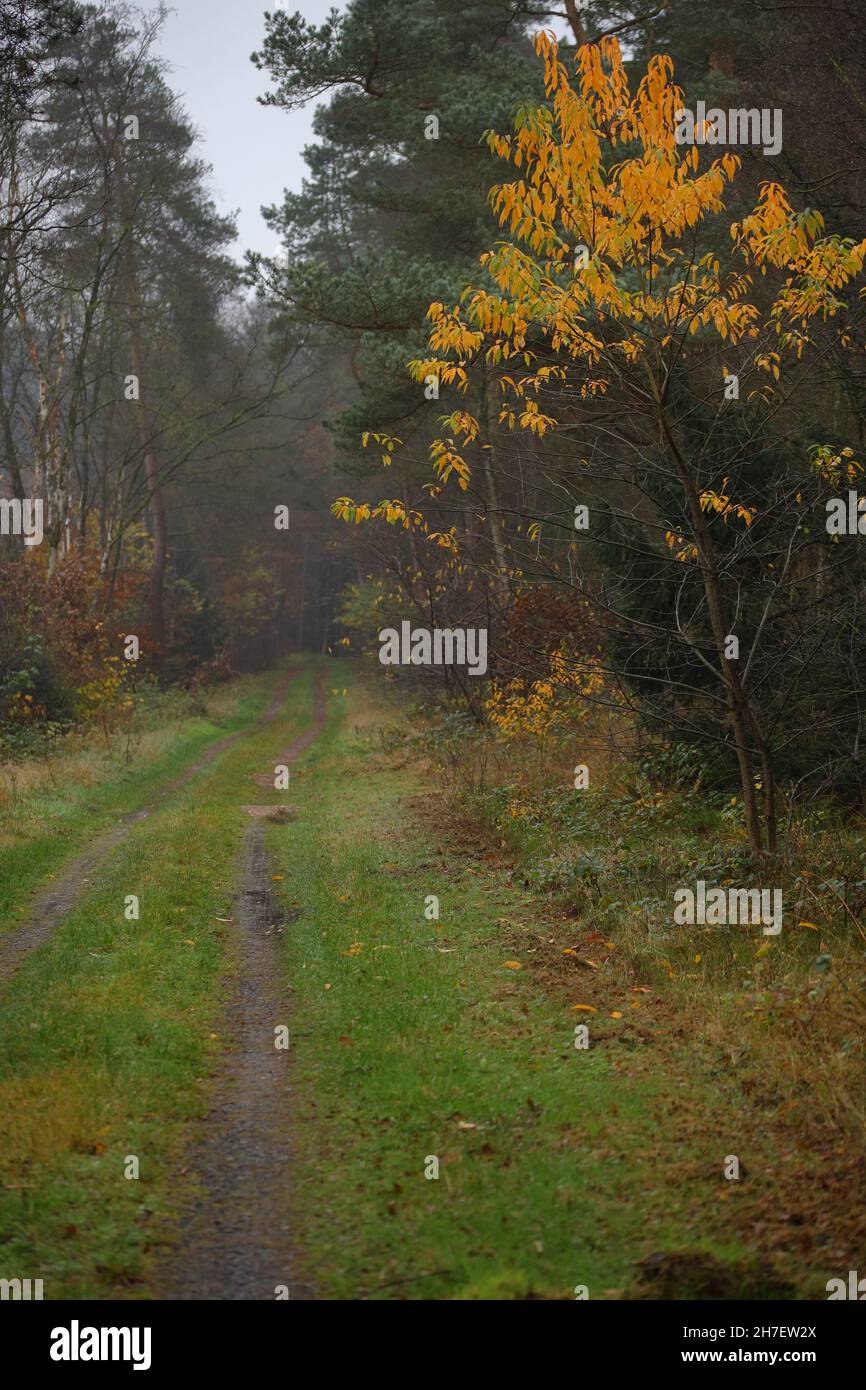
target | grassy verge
x=107, y=1036
x=785, y=1011
x=454, y=1040
x=52, y=808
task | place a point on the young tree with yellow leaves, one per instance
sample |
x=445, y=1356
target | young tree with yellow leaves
x=620, y=280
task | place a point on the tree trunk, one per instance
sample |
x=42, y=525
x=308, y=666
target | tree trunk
x=497, y=529
x=738, y=706
x=155, y=502
x=575, y=22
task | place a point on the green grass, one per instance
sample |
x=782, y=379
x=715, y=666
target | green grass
x=789, y=1007
x=47, y=819
x=413, y=1039
x=106, y=1037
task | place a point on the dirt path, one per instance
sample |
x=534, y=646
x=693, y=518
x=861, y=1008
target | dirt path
x=55, y=902
x=236, y=1241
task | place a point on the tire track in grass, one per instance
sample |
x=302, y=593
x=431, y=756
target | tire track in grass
x=237, y=1241
x=61, y=897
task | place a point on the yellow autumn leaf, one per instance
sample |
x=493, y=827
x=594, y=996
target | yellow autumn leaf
x=513, y=964
x=586, y=1008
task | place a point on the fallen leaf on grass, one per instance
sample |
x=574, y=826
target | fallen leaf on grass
x=513, y=965
x=465, y=1124
x=616, y=1014
x=587, y=1008
x=810, y=925
x=581, y=960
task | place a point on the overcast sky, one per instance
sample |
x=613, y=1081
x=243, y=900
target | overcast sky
x=256, y=151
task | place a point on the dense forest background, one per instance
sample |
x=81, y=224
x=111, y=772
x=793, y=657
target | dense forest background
x=168, y=403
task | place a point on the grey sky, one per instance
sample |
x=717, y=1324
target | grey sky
x=255, y=150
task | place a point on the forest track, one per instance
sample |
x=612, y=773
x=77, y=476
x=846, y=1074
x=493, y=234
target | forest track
x=237, y=1243
x=54, y=902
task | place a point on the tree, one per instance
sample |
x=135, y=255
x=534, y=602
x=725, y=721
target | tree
x=132, y=373
x=612, y=295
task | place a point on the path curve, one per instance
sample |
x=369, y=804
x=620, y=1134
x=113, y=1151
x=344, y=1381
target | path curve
x=53, y=903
